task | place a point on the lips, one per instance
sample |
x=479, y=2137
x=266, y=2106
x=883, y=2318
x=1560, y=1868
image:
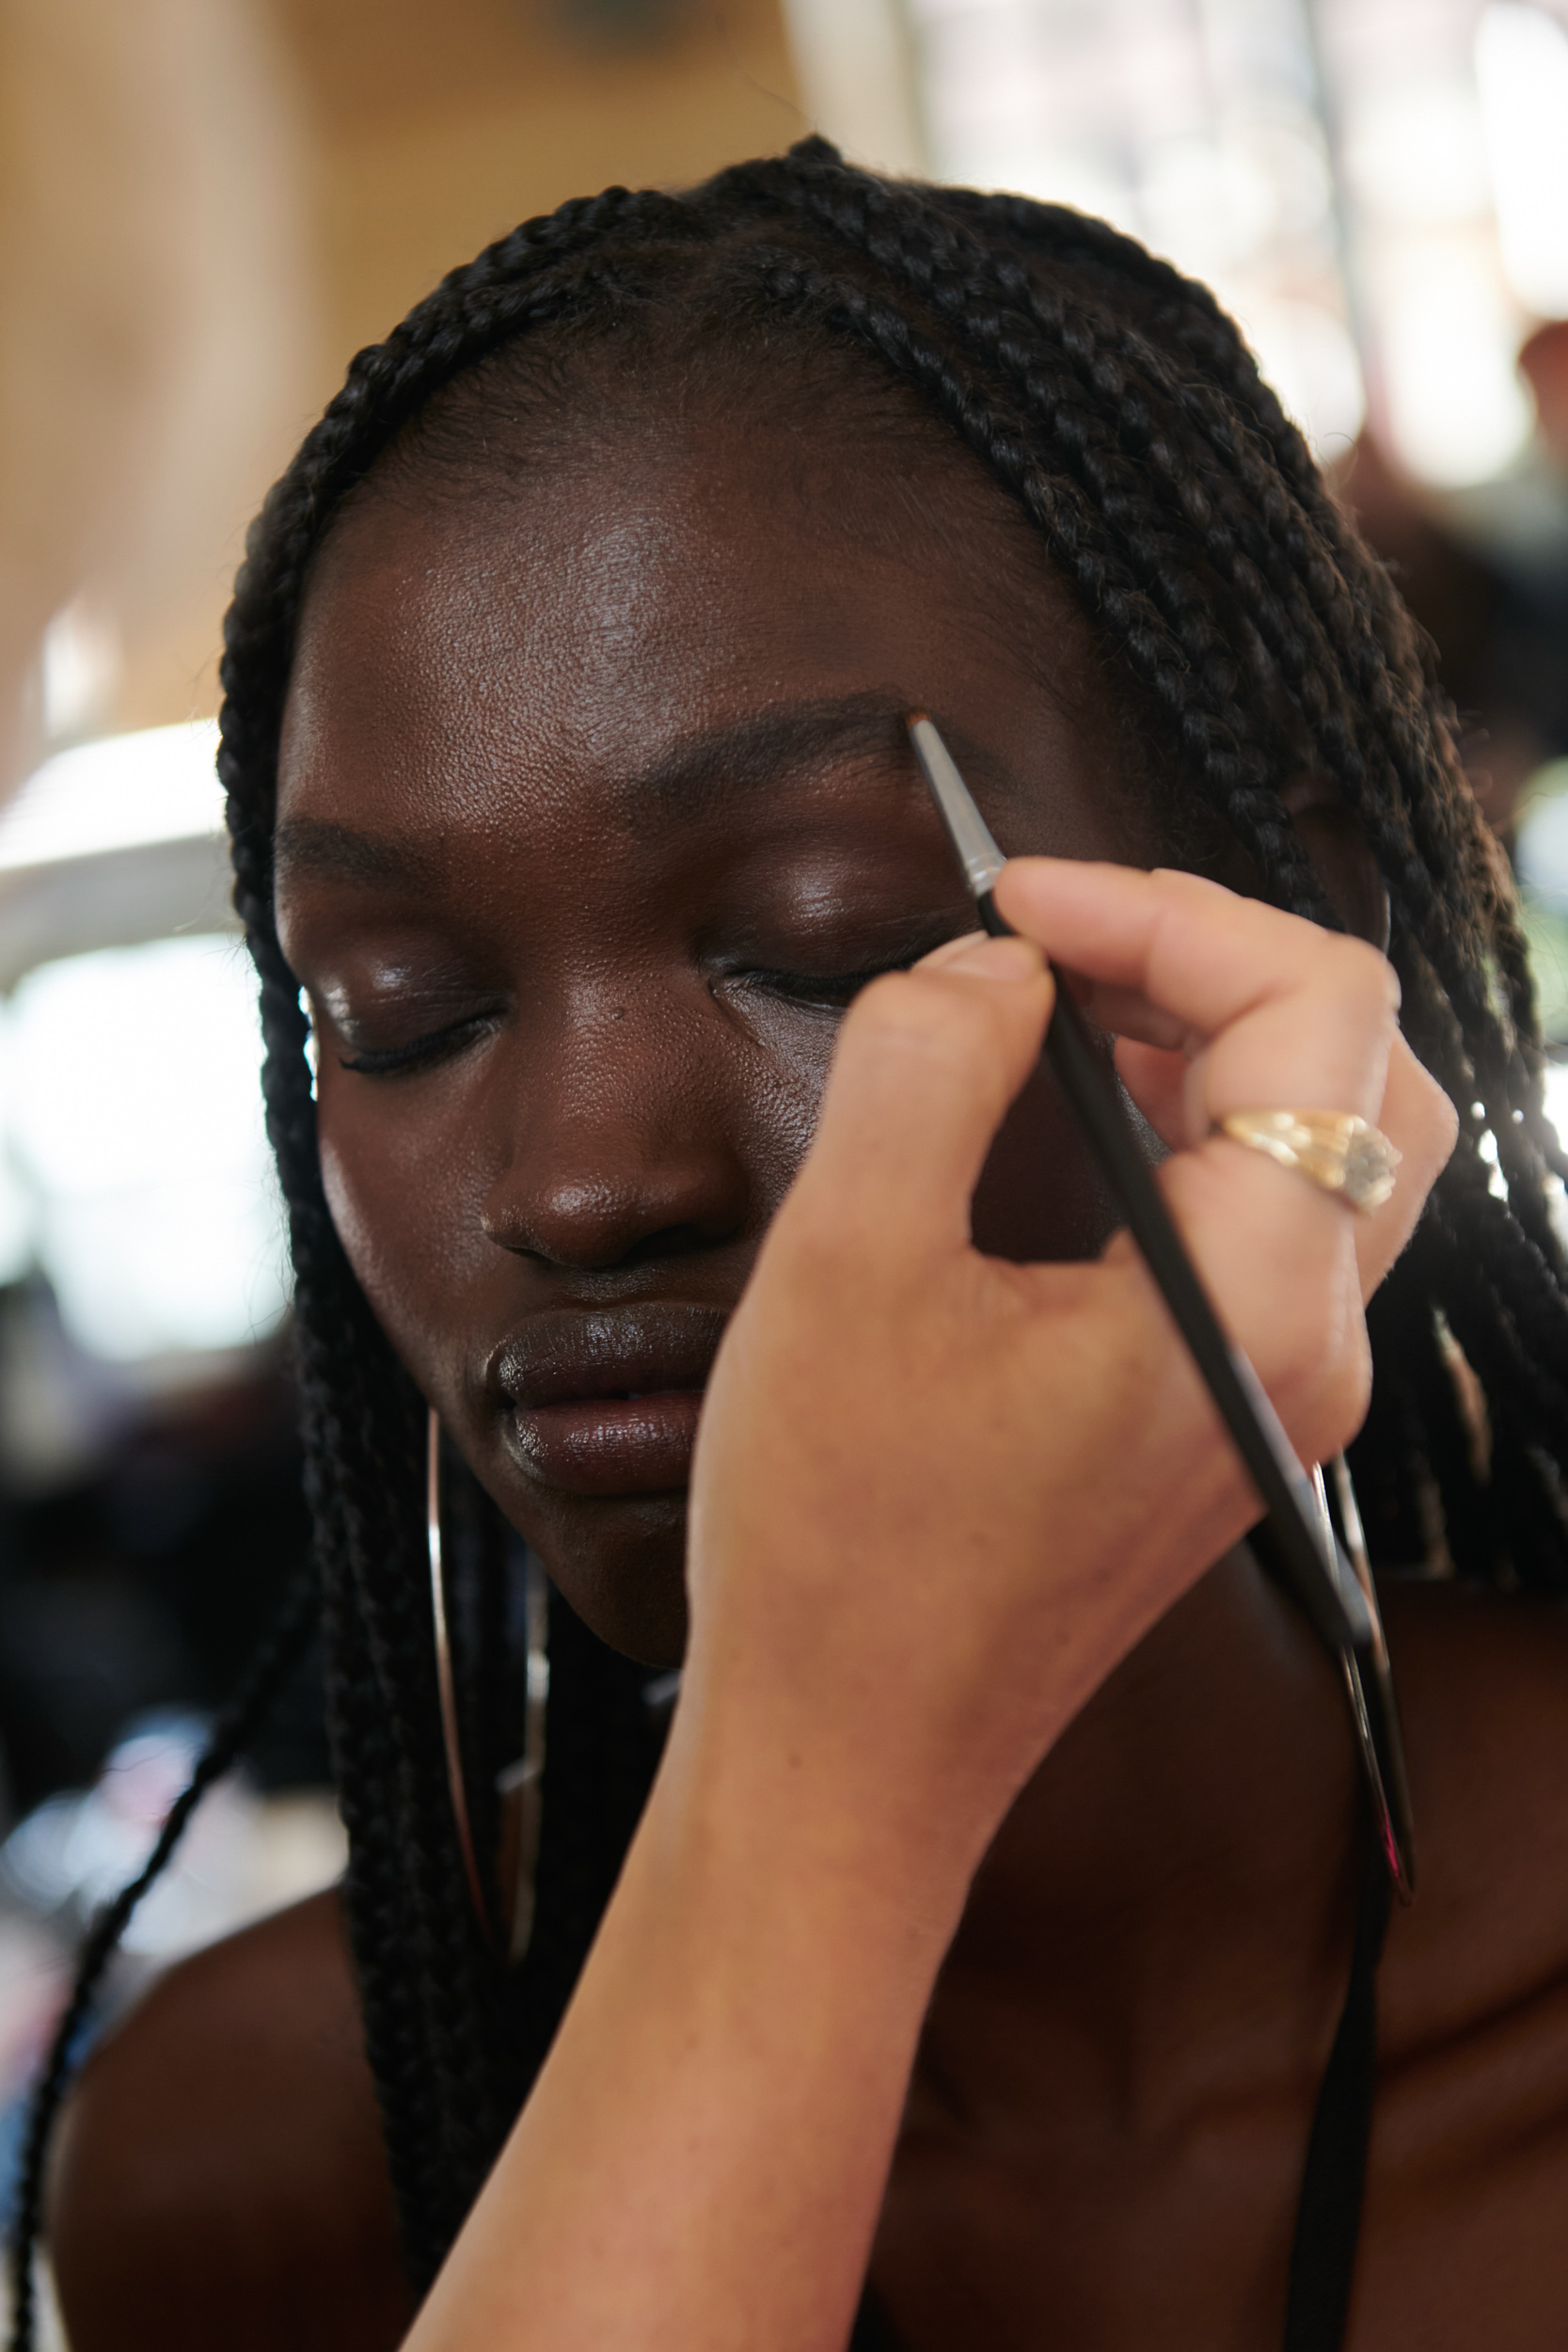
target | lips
x=606, y=1402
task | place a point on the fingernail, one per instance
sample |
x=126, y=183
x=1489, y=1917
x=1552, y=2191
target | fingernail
x=998, y=960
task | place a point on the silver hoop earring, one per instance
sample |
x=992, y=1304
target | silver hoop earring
x=445, y=1685
x=1370, y=1688
x=520, y=1785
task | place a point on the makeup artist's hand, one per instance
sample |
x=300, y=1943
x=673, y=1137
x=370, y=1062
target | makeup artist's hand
x=937, y=1497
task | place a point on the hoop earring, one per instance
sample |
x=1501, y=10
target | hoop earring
x=445, y=1685
x=520, y=1784
x=1370, y=1688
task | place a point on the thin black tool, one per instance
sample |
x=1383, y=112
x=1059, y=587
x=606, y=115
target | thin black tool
x=1304, y=1544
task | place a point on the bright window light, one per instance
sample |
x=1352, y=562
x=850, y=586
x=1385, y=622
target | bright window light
x=1456, y=408
x=1416, y=152
x=158, y=785
x=1555, y=1090
x=132, y=1111
x=1190, y=125
x=1542, y=848
x=1522, y=69
x=1306, y=354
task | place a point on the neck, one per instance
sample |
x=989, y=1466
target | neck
x=1187, y=1857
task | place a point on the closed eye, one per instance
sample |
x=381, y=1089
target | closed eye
x=392, y=1062
x=834, y=991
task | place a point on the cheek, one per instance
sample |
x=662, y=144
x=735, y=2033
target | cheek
x=787, y=1057
x=406, y=1197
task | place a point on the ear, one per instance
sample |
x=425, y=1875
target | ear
x=1332, y=836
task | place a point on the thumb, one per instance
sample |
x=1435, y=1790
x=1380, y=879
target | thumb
x=926, y=1065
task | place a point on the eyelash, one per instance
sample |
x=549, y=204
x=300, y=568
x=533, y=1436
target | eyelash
x=828, y=991
x=835, y=989
x=393, y=1062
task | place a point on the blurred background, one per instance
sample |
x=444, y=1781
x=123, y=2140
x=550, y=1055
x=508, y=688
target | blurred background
x=206, y=206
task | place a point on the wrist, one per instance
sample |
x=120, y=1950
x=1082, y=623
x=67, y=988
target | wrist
x=760, y=1805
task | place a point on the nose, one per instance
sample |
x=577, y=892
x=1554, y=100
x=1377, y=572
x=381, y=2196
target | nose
x=615, y=1150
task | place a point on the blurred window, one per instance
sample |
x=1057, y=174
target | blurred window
x=122, y=792
x=1197, y=129
x=134, y=1168
x=1376, y=189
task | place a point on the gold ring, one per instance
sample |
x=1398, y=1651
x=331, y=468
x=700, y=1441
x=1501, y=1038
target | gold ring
x=1333, y=1149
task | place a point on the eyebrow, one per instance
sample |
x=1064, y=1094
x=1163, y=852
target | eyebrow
x=713, y=764
x=702, y=771
x=320, y=846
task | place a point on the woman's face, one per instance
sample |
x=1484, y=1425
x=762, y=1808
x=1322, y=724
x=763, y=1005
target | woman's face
x=596, y=806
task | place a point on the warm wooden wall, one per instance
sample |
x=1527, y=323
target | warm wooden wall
x=441, y=124
x=428, y=128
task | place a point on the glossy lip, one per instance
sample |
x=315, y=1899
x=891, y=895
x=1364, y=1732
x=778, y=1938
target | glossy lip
x=606, y=1401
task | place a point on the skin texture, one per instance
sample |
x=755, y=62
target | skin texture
x=1104, y=2128
x=623, y=1130
x=237, y=2122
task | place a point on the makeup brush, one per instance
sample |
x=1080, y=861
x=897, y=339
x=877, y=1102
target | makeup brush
x=1302, y=1541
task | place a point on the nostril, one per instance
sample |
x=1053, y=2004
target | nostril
x=616, y=1181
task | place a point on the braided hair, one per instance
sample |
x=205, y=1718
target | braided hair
x=1116, y=404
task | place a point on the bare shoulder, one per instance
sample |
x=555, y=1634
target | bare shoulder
x=220, y=2174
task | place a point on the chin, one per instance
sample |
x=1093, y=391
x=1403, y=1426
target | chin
x=619, y=1561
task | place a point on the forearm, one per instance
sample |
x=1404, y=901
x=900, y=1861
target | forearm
x=703, y=2158
x=936, y=1499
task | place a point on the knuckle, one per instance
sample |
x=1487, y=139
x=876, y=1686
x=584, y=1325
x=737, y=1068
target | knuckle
x=1441, y=1122
x=1362, y=972
x=1427, y=1121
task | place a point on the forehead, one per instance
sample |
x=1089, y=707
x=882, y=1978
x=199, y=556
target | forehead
x=549, y=644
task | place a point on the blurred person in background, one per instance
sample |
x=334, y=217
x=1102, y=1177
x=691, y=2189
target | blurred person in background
x=565, y=773
x=1485, y=572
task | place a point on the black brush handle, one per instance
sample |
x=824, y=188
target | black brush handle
x=1324, y=1585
